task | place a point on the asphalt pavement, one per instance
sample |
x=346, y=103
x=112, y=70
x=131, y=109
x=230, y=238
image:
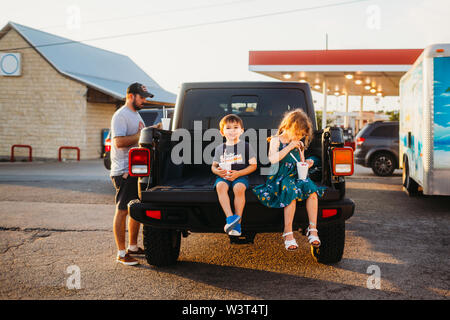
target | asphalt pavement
x=56, y=242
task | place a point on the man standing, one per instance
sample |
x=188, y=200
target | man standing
x=126, y=126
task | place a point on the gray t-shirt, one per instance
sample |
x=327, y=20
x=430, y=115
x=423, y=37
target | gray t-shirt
x=125, y=122
x=237, y=155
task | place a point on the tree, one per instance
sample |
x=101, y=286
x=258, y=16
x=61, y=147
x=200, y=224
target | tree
x=319, y=119
x=393, y=115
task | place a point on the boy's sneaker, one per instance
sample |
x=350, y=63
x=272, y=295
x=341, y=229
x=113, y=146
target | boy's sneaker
x=231, y=222
x=236, y=231
x=127, y=260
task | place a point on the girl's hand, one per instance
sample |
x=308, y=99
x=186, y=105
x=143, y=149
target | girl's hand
x=294, y=144
x=232, y=175
x=310, y=162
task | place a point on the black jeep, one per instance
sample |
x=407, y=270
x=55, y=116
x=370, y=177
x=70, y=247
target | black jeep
x=177, y=197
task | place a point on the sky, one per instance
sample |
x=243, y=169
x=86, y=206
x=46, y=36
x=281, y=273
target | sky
x=177, y=41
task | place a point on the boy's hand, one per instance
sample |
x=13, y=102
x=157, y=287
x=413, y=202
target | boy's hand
x=310, y=162
x=221, y=172
x=232, y=175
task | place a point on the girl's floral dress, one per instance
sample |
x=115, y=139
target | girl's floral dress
x=284, y=186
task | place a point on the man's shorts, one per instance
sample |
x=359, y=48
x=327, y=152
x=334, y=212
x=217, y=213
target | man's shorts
x=243, y=179
x=126, y=190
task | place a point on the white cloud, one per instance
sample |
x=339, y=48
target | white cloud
x=441, y=131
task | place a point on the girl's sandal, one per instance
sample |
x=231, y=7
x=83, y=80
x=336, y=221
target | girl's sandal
x=289, y=243
x=312, y=238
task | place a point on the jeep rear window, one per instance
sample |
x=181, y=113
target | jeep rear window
x=258, y=108
x=149, y=117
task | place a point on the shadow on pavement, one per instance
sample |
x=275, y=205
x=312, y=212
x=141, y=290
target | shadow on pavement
x=262, y=284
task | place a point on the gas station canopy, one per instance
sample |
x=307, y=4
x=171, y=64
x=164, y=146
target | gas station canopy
x=365, y=72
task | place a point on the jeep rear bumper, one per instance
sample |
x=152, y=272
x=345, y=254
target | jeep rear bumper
x=207, y=217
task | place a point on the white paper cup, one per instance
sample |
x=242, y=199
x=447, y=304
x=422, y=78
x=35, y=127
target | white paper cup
x=165, y=123
x=225, y=166
x=302, y=170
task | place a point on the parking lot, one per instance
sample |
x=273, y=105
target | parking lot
x=54, y=216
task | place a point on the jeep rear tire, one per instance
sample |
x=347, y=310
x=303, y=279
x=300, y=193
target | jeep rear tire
x=332, y=238
x=161, y=246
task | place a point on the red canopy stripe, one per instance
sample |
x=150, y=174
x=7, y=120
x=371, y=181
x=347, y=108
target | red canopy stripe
x=336, y=57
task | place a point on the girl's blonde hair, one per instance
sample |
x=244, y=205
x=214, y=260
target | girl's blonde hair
x=296, y=122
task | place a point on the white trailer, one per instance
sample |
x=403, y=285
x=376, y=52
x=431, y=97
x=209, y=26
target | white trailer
x=425, y=123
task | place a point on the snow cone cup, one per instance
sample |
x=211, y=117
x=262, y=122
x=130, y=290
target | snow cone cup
x=302, y=170
x=225, y=166
x=165, y=123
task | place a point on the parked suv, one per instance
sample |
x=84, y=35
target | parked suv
x=150, y=117
x=377, y=147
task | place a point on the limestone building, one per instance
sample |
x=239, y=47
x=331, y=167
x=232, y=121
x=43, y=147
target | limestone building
x=56, y=92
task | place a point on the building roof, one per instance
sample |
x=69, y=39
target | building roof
x=381, y=69
x=105, y=71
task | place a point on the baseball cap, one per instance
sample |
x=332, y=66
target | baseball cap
x=137, y=88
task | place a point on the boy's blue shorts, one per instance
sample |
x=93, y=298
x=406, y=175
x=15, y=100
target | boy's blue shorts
x=243, y=179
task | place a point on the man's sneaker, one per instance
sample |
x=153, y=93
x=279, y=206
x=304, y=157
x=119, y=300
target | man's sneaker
x=139, y=251
x=236, y=231
x=231, y=222
x=127, y=260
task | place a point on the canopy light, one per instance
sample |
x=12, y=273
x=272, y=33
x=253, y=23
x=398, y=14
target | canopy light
x=367, y=87
x=373, y=90
x=358, y=82
x=349, y=76
x=287, y=75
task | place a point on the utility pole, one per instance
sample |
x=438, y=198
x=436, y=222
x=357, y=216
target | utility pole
x=324, y=108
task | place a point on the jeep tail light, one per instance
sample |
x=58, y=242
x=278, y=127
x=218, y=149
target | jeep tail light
x=139, y=162
x=343, y=161
x=108, y=145
x=327, y=213
x=360, y=141
x=155, y=214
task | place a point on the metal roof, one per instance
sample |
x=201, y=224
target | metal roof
x=105, y=71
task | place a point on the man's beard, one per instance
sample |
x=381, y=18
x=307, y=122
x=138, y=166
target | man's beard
x=135, y=106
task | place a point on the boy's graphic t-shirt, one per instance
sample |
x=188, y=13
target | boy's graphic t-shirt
x=237, y=155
